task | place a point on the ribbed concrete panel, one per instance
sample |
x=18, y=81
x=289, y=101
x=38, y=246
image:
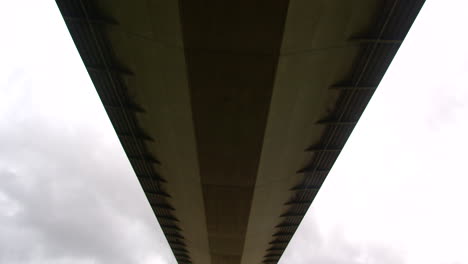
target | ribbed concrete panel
x=315, y=54
x=154, y=50
x=316, y=101
x=145, y=39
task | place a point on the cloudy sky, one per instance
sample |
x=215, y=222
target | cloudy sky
x=397, y=194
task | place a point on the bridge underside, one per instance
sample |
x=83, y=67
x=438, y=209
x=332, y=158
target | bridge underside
x=233, y=112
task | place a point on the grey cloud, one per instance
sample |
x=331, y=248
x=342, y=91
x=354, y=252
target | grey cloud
x=68, y=197
x=309, y=245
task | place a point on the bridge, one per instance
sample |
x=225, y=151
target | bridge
x=232, y=113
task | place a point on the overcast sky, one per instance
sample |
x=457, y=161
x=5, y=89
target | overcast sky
x=397, y=194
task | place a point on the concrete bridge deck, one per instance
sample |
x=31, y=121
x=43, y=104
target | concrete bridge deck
x=233, y=112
